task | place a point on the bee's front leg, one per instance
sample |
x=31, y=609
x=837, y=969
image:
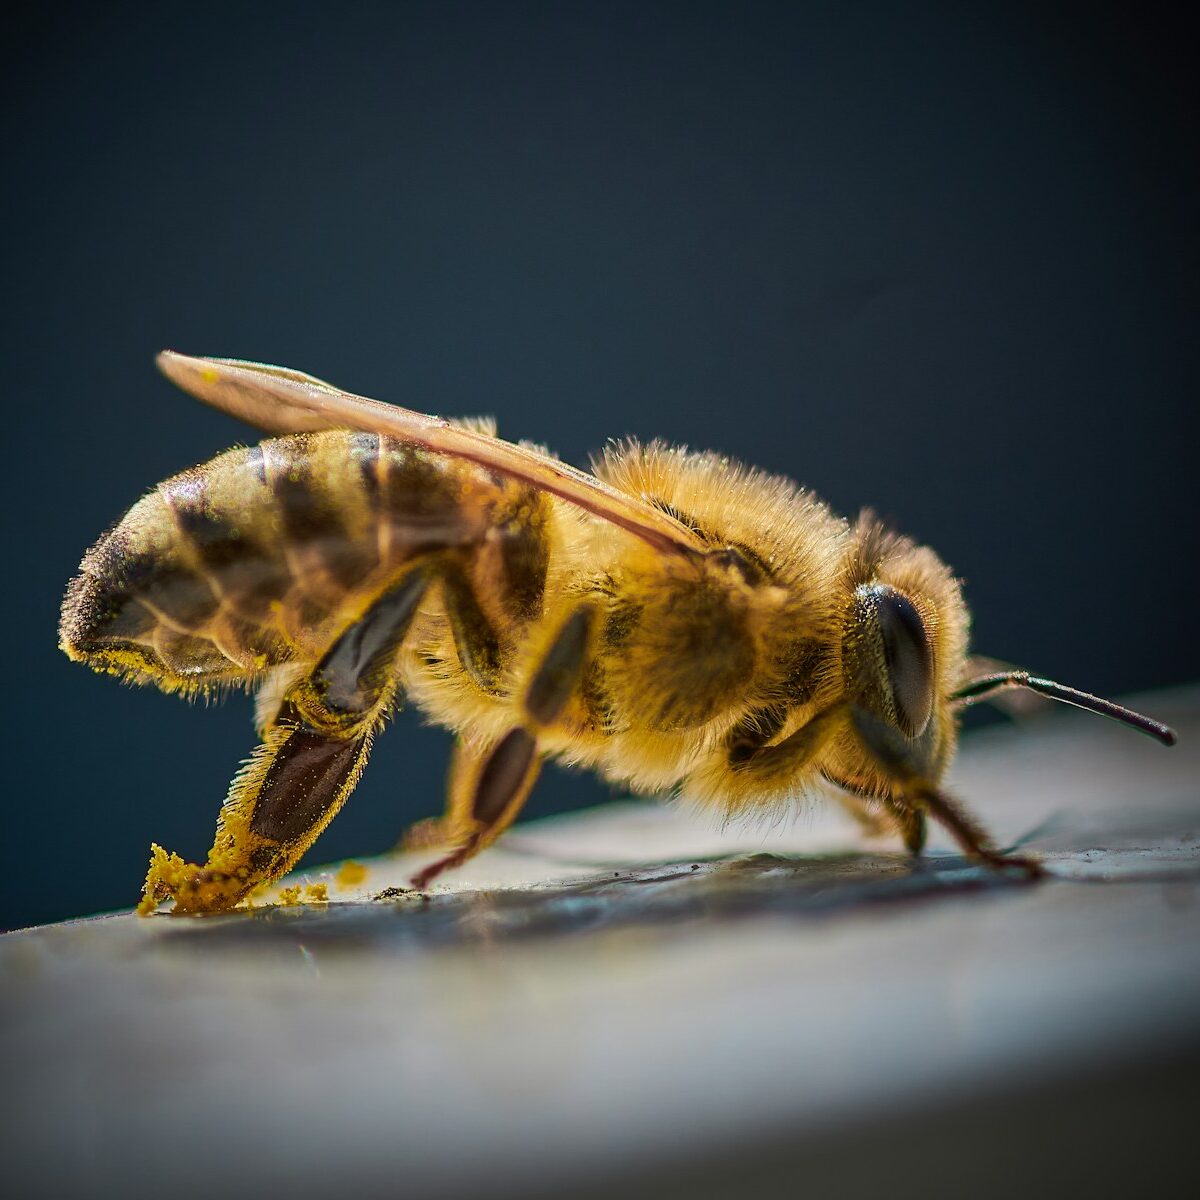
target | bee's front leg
x=309, y=762
x=759, y=765
x=881, y=818
x=915, y=795
x=911, y=823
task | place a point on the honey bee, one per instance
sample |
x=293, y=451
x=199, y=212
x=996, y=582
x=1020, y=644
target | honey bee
x=674, y=621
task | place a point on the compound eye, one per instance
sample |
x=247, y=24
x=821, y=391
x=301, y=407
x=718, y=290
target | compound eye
x=909, y=659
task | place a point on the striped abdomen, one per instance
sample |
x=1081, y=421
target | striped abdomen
x=261, y=555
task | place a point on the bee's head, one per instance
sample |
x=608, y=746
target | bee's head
x=904, y=642
x=888, y=658
x=905, y=666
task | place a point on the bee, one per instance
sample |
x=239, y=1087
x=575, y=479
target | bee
x=674, y=620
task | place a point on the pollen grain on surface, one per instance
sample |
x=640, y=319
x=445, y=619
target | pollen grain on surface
x=350, y=874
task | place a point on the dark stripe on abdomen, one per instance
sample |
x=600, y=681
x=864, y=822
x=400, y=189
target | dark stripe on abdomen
x=245, y=570
x=364, y=453
x=310, y=518
x=127, y=576
x=421, y=500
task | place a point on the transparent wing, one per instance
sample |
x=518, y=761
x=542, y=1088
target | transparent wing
x=278, y=400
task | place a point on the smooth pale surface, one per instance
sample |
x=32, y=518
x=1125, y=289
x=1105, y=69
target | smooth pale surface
x=607, y=1002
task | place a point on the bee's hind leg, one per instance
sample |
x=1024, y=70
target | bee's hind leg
x=490, y=784
x=310, y=759
x=285, y=795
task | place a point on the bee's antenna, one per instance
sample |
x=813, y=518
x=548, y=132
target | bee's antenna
x=985, y=685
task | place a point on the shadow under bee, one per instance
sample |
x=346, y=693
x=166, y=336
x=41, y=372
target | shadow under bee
x=748, y=886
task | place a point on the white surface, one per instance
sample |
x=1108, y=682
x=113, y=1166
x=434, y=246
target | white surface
x=169, y=1057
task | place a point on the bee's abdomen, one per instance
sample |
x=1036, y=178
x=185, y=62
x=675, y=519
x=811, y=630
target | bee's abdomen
x=257, y=557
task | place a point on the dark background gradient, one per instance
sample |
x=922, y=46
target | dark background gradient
x=942, y=261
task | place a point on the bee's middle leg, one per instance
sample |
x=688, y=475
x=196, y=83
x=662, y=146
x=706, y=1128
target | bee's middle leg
x=312, y=754
x=490, y=784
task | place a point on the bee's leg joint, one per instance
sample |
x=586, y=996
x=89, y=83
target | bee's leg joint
x=489, y=785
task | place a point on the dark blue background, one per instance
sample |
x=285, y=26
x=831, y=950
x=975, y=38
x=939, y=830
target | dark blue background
x=941, y=260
